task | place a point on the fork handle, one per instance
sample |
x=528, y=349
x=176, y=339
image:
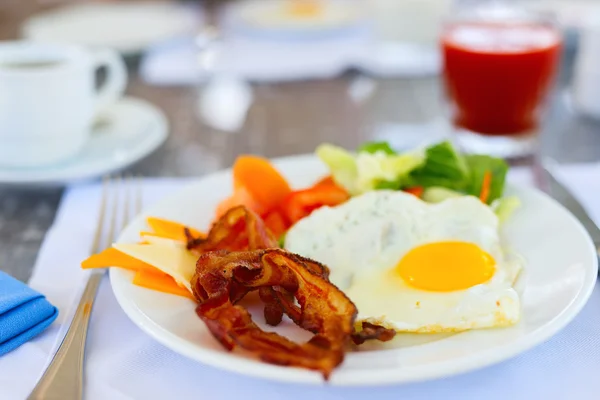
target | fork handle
x=63, y=379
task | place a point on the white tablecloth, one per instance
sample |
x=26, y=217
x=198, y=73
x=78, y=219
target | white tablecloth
x=124, y=363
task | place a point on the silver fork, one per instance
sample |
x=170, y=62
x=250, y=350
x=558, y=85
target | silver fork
x=63, y=379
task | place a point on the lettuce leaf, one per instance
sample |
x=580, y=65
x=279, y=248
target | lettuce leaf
x=444, y=167
x=341, y=164
x=281, y=241
x=376, y=166
x=374, y=147
x=505, y=207
x=388, y=185
x=478, y=166
x=366, y=171
x=436, y=194
x=373, y=169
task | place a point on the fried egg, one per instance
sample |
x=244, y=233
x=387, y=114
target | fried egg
x=413, y=266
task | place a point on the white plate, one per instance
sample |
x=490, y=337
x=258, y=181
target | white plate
x=126, y=27
x=561, y=272
x=129, y=130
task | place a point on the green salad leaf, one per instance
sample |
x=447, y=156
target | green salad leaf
x=478, y=166
x=281, y=241
x=444, y=167
x=505, y=207
x=374, y=147
x=436, y=194
x=366, y=171
x=341, y=163
x=389, y=185
x=379, y=169
x=440, y=169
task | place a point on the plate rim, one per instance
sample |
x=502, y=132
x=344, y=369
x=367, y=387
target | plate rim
x=383, y=376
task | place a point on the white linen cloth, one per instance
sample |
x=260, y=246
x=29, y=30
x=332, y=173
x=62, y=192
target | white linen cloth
x=263, y=60
x=122, y=362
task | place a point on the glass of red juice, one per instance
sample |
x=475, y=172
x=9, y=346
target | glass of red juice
x=499, y=67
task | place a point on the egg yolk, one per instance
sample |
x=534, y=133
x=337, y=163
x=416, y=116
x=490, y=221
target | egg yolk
x=446, y=266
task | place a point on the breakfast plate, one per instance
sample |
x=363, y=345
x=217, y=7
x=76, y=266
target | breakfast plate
x=561, y=270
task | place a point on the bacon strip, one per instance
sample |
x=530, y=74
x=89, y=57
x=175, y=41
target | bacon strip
x=240, y=255
x=372, y=332
x=323, y=308
x=239, y=229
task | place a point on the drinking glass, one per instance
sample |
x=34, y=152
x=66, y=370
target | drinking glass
x=499, y=67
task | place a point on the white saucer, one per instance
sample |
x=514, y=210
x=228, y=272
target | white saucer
x=128, y=28
x=130, y=130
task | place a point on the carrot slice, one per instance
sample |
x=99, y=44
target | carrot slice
x=114, y=258
x=485, y=187
x=146, y=275
x=170, y=229
x=156, y=280
x=261, y=180
x=240, y=197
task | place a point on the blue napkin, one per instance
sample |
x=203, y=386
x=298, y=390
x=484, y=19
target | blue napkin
x=24, y=313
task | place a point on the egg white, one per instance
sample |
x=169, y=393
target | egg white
x=363, y=240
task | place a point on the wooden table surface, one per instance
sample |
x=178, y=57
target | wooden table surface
x=284, y=119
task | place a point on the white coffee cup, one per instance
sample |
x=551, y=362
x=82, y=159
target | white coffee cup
x=49, y=100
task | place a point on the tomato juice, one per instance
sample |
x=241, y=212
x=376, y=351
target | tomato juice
x=498, y=74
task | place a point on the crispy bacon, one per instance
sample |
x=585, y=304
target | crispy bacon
x=372, y=332
x=240, y=229
x=323, y=308
x=240, y=255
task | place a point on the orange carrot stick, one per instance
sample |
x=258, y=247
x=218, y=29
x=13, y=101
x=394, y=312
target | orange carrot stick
x=170, y=229
x=113, y=258
x=484, y=195
x=157, y=280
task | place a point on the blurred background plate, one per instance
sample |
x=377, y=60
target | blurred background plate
x=300, y=19
x=126, y=27
x=129, y=130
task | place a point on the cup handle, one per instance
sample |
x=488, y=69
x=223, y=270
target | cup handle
x=116, y=78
